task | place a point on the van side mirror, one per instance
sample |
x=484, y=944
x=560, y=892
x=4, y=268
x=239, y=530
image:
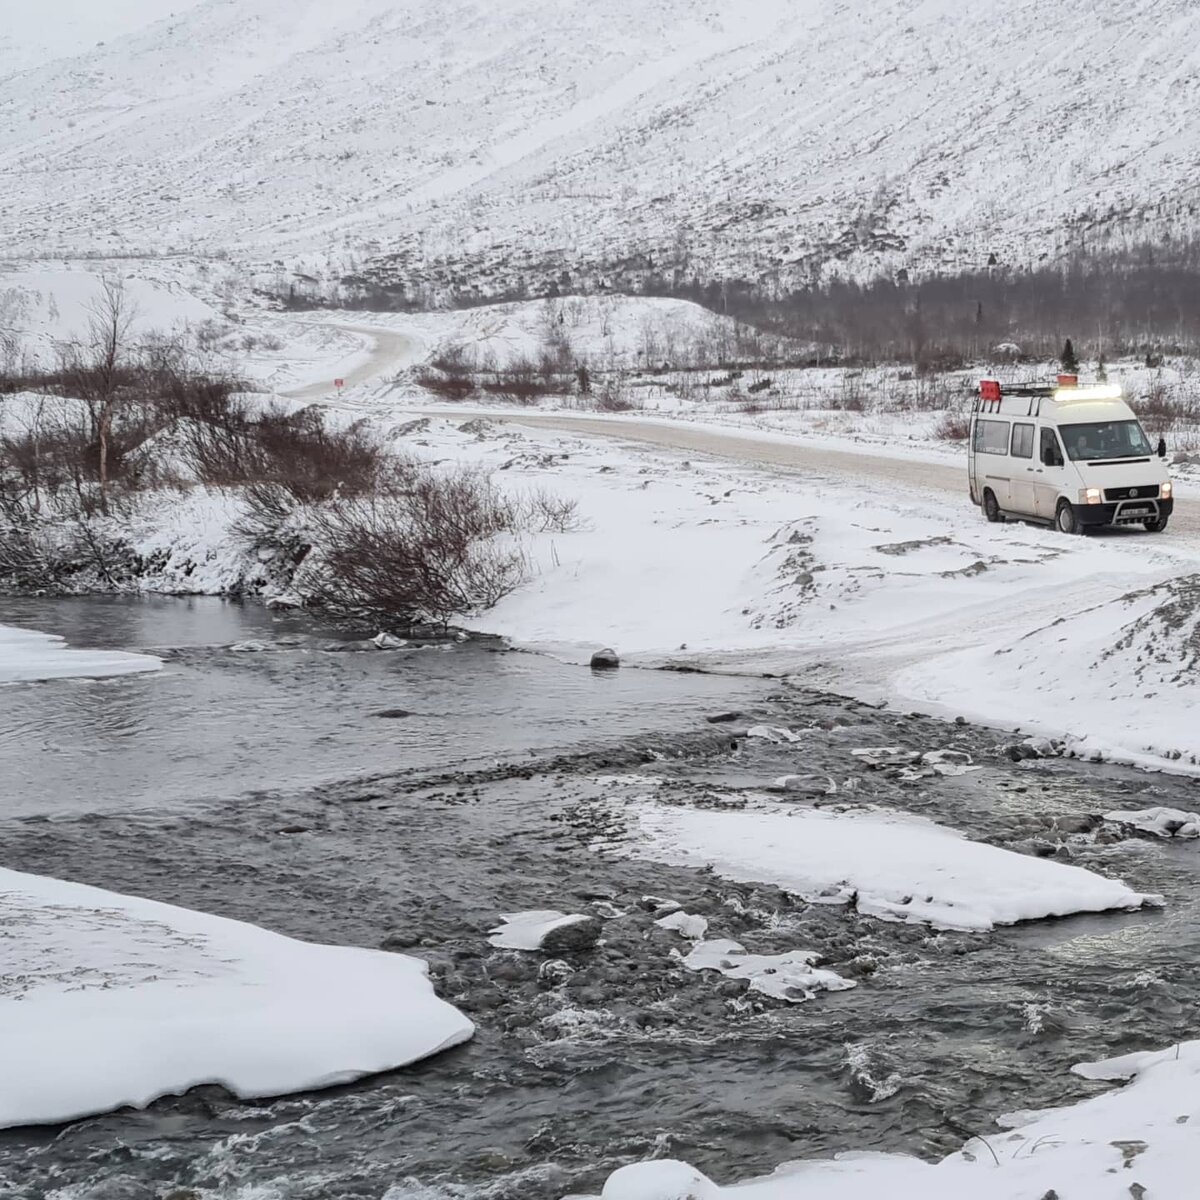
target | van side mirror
x=1162, y=447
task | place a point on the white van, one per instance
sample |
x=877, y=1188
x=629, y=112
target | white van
x=1070, y=456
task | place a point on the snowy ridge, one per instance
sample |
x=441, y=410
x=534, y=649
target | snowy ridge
x=773, y=139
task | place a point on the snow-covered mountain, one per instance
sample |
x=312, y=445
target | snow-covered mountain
x=476, y=139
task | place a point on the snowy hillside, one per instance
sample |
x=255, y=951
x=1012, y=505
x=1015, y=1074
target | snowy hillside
x=34, y=34
x=469, y=141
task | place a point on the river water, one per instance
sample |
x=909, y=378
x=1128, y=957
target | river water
x=258, y=784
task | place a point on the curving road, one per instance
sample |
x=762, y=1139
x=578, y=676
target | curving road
x=390, y=351
x=792, y=454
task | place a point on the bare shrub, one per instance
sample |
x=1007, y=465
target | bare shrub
x=448, y=387
x=933, y=391
x=853, y=396
x=953, y=427
x=542, y=511
x=297, y=452
x=1162, y=409
x=523, y=381
x=449, y=373
x=612, y=397
x=429, y=552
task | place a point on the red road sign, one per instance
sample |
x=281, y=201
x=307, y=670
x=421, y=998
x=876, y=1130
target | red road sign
x=339, y=383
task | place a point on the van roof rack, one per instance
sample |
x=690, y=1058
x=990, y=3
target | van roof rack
x=1029, y=389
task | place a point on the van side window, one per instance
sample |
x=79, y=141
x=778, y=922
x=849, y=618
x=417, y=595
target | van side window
x=991, y=437
x=1022, y=441
x=1051, y=453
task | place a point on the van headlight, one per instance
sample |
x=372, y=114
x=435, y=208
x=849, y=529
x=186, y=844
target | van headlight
x=1089, y=496
x=1166, y=491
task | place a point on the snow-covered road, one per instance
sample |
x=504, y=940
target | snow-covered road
x=389, y=352
x=779, y=450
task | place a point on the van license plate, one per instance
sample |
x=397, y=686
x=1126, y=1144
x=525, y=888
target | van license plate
x=1135, y=510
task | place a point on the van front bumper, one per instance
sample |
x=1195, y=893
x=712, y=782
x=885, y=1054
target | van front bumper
x=1091, y=516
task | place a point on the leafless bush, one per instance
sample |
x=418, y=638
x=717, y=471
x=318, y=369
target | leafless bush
x=449, y=373
x=433, y=551
x=953, y=427
x=933, y=391
x=1162, y=409
x=612, y=397
x=853, y=396
x=297, y=452
x=542, y=511
x=448, y=387
x=523, y=381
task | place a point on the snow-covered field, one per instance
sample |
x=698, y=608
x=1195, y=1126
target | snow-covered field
x=109, y=1000
x=26, y=654
x=1136, y=1141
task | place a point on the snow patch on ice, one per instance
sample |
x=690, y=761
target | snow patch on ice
x=26, y=655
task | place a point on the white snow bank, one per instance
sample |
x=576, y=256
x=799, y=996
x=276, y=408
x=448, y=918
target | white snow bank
x=1165, y=822
x=109, y=1000
x=1138, y=1140
x=26, y=654
x=790, y=976
x=528, y=930
x=890, y=865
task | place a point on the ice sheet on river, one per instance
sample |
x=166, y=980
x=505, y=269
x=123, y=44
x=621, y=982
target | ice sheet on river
x=1137, y=1141
x=26, y=654
x=891, y=865
x=108, y=1000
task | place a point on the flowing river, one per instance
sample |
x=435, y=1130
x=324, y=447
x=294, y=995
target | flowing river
x=332, y=791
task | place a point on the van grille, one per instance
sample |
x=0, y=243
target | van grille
x=1150, y=492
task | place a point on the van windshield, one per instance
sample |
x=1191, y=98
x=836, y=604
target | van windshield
x=1105, y=439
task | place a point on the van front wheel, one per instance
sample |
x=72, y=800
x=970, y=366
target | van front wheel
x=991, y=508
x=1066, y=520
x=1157, y=525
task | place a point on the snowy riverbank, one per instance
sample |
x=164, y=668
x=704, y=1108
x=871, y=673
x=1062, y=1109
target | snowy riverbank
x=109, y=1000
x=1135, y=1141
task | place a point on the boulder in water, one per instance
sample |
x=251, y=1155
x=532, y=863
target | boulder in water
x=605, y=660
